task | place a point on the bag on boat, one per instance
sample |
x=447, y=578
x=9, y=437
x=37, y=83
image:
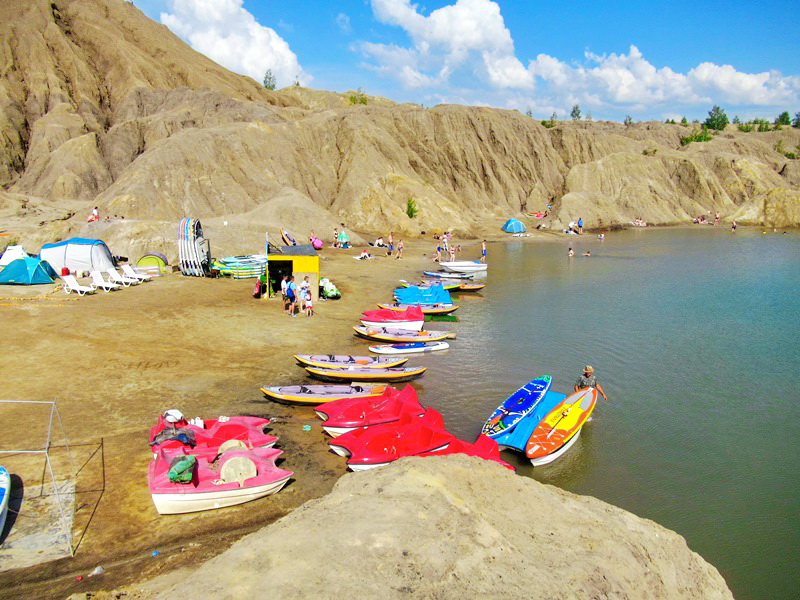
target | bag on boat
x=181, y=469
x=184, y=436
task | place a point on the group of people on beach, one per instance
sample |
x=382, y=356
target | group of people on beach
x=296, y=299
x=388, y=244
x=575, y=228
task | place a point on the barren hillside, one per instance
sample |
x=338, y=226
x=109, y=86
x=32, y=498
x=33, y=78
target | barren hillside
x=102, y=106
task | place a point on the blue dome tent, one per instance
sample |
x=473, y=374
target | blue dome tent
x=514, y=226
x=27, y=271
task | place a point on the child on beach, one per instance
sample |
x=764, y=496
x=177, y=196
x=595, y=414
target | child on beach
x=291, y=295
x=391, y=244
x=400, y=247
x=309, y=304
x=305, y=286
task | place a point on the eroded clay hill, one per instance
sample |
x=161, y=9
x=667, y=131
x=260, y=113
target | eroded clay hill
x=99, y=105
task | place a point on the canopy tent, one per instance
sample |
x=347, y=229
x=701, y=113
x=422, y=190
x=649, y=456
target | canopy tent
x=514, y=226
x=78, y=254
x=12, y=253
x=343, y=237
x=27, y=271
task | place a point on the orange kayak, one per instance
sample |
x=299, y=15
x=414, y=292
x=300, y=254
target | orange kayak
x=561, y=424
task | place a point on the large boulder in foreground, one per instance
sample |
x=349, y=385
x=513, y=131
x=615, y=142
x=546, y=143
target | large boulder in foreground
x=454, y=527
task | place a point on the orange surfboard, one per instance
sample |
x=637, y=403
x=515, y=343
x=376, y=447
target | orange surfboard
x=561, y=424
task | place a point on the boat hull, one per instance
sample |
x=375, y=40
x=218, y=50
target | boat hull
x=179, y=503
x=285, y=396
x=343, y=361
x=464, y=266
x=427, y=309
x=396, y=374
x=405, y=325
x=546, y=460
x=389, y=334
x=409, y=348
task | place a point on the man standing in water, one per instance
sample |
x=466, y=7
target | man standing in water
x=587, y=380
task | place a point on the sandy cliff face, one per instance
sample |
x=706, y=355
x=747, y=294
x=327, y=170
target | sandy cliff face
x=453, y=527
x=101, y=106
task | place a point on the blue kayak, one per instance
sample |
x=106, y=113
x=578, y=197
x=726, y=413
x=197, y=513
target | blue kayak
x=516, y=406
x=517, y=438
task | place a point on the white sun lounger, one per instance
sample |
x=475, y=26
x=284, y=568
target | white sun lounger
x=128, y=271
x=71, y=285
x=98, y=281
x=114, y=275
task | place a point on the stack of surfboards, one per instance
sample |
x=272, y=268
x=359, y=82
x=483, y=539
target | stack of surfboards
x=194, y=254
x=542, y=424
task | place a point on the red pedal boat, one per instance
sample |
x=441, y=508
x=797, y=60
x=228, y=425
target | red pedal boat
x=346, y=415
x=380, y=445
x=484, y=447
x=411, y=319
x=174, y=431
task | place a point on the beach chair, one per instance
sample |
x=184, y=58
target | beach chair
x=99, y=282
x=71, y=285
x=128, y=271
x=115, y=277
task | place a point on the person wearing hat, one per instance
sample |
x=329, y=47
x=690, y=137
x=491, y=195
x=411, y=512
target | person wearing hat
x=587, y=380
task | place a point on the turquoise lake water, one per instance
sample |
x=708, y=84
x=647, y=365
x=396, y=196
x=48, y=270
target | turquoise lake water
x=694, y=336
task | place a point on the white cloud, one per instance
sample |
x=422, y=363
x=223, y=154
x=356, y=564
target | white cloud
x=225, y=32
x=343, y=21
x=469, y=33
x=630, y=81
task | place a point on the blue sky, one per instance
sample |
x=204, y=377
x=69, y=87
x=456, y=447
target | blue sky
x=652, y=60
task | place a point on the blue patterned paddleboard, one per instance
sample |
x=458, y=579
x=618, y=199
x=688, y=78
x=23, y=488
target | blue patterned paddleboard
x=518, y=437
x=5, y=490
x=519, y=404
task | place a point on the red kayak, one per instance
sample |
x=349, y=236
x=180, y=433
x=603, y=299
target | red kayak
x=345, y=415
x=412, y=318
x=484, y=447
x=174, y=431
x=380, y=445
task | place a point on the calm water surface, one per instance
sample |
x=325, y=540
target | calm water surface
x=694, y=336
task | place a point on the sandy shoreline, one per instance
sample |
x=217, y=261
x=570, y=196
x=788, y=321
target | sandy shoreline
x=114, y=361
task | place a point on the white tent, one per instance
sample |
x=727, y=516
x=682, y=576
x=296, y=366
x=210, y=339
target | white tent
x=12, y=253
x=78, y=254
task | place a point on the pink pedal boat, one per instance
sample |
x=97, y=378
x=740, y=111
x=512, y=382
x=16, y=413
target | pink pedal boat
x=348, y=414
x=174, y=431
x=411, y=319
x=380, y=445
x=217, y=480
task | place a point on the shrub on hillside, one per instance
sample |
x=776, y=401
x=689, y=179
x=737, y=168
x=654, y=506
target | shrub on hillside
x=411, y=207
x=697, y=135
x=717, y=119
x=783, y=118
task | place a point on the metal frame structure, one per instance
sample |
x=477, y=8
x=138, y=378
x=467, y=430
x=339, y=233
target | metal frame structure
x=46, y=452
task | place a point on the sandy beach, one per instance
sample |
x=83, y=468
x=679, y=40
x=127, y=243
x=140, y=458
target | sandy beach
x=114, y=361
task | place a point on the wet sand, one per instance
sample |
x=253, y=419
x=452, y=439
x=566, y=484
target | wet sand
x=115, y=361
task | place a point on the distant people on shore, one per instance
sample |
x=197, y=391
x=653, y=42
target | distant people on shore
x=452, y=253
x=483, y=251
x=589, y=380
x=291, y=295
x=733, y=226
x=284, y=296
x=335, y=237
x=717, y=217
x=438, y=256
x=364, y=255
x=639, y=222
x=400, y=247
x=379, y=242
x=391, y=244
x=580, y=225
x=305, y=286
x=309, y=303
x=701, y=220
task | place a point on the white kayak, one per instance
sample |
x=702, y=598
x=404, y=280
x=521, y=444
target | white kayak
x=5, y=492
x=409, y=348
x=464, y=266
